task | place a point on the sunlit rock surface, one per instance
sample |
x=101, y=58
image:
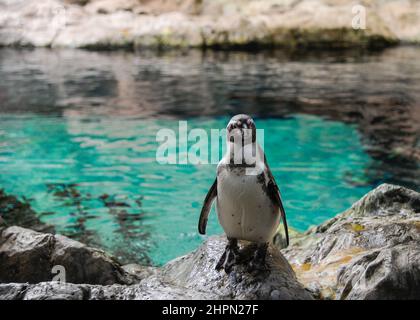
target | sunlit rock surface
x=187, y=23
x=371, y=251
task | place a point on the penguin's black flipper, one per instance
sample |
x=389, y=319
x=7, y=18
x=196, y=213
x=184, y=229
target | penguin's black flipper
x=211, y=195
x=276, y=198
x=274, y=194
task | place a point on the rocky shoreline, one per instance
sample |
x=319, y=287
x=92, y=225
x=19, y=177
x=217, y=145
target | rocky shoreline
x=370, y=251
x=108, y=24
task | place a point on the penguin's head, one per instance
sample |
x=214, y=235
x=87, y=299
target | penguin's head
x=241, y=130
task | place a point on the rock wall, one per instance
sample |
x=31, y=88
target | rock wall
x=371, y=251
x=222, y=23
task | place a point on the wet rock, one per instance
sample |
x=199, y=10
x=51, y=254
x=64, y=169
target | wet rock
x=23, y=249
x=370, y=251
x=196, y=270
x=189, y=277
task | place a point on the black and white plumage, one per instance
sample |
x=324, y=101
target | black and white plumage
x=248, y=201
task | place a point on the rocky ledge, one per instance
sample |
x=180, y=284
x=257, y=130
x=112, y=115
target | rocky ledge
x=27, y=257
x=371, y=251
x=207, y=23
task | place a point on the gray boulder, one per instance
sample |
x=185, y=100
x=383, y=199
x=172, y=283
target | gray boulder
x=196, y=270
x=188, y=277
x=12, y=291
x=371, y=251
x=29, y=256
x=68, y=291
x=390, y=273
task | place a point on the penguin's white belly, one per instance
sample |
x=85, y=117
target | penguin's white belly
x=244, y=209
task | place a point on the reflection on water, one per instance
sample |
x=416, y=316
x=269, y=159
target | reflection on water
x=77, y=135
x=377, y=91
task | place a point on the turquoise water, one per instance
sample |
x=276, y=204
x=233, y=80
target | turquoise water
x=97, y=178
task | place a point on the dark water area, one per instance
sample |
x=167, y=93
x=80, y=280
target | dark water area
x=78, y=135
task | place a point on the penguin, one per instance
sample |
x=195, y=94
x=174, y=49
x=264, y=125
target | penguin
x=248, y=200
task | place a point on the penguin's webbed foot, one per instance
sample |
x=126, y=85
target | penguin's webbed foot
x=229, y=257
x=257, y=262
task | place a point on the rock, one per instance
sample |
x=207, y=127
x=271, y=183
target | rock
x=138, y=271
x=371, y=251
x=196, y=271
x=279, y=239
x=390, y=273
x=12, y=291
x=387, y=200
x=404, y=15
x=22, y=249
x=188, y=23
x=189, y=277
x=54, y=291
